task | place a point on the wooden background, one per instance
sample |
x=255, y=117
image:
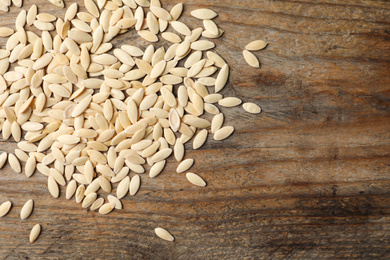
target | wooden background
x=308, y=178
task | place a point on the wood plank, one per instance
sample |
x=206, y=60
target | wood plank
x=307, y=178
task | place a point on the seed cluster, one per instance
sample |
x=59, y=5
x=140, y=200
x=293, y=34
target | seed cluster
x=85, y=113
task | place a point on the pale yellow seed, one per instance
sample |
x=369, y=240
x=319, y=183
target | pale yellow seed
x=97, y=204
x=148, y=35
x=27, y=209
x=195, y=179
x=123, y=188
x=211, y=27
x=200, y=139
x=223, y=133
x=251, y=108
x=204, y=14
x=164, y=234
x=5, y=207
x=222, y=78
x=71, y=189
x=6, y=32
x=89, y=200
x=135, y=184
x=35, y=232
x=229, y=102
x=217, y=122
x=14, y=163
x=256, y=45
x=184, y=165
x=53, y=187
x=181, y=28
x=80, y=193
x=157, y=168
x=251, y=59
x=106, y=208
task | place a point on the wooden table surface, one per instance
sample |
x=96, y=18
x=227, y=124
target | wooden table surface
x=308, y=178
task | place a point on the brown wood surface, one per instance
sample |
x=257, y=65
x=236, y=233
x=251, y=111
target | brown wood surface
x=307, y=178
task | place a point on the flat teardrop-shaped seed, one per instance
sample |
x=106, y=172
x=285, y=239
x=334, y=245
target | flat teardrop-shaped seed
x=97, y=204
x=251, y=108
x=176, y=11
x=105, y=184
x=204, y=14
x=223, y=133
x=53, y=187
x=200, y=139
x=184, y=165
x=123, y=187
x=162, y=154
x=164, y=234
x=135, y=184
x=230, y=102
x=256, y=45
x=217, y=122
x=195, y=179
x=106, y=208
x=80, y=191
x=148, y=35
x=251, y=59
x=68, y=139
x=30, y=166
x=178, y=150
x=27, y=209
x=181, y=28
x=157, y=168
x=89, y=200
x=35, y=232
x=71, y=189
x=5, y=208
x=14, y=163
x=158, y=69
x=202, y=45
x=211, y=27
x=174, y=120
x=222, y=78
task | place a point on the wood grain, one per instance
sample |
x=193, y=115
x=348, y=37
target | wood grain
x=308, y=178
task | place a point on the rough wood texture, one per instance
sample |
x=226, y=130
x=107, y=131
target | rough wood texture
x=308, y=178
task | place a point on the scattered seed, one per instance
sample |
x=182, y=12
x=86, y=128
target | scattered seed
x=71, y=189
x=35, y=232
x=164, y=234
x=223, y=133
x=123, y=187
x=98, y=202
x=27, y=209
x=251, y=59
x=204, y=14
x=200, y=139
x=134, y=184
x=5, y=207
x=106, y=208
x=256, y=45
x=195, y=179
x=14, y=163
x=251, y=108
x=229, y=102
